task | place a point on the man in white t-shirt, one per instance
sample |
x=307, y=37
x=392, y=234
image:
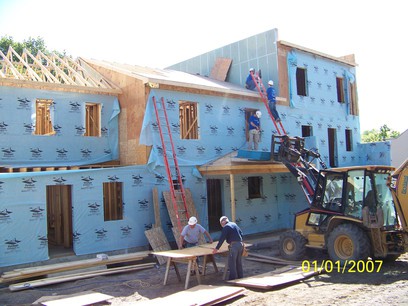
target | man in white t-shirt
x=191, y=234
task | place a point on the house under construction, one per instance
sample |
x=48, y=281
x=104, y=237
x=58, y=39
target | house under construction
x=83, y=148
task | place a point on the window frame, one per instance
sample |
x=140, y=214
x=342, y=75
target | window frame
x=44, y=117
x=188, y=120
x=255, y=187
x=112, y=201
x=349, y=139
x=340, y=90
x=92, y=119
x=301, y=81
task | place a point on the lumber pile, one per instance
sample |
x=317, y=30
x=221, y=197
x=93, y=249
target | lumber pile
x=101, y=260
x=271, y=260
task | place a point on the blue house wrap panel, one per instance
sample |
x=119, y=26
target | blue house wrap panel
x=23, y=218
x=258, y=51
x=68, y=146
x=23, y=210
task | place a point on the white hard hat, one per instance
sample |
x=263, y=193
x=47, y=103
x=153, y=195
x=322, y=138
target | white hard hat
x=270, y=83
x=251, y=69
x=258, y=114
x=224, y=218
x=192, y=221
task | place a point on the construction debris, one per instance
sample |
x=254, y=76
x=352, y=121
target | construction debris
x=283, y=276
x=25, y=273
x=198, y=295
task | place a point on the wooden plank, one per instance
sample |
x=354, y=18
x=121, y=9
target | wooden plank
x=78, y=300
x=71, y=277
x=220, y=69
x=276, y=259
x=156, y=207
x=191, y=211
x=158, y=242
x=276, y=278
x=66, y=266
x=198, y=295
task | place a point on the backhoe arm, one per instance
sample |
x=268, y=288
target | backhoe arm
x=398, y=184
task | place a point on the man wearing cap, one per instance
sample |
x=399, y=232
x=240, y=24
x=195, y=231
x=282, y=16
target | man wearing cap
x=191, y=234
x=233, y=235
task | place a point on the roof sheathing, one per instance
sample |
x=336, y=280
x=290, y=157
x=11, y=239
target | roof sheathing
x=177, y=80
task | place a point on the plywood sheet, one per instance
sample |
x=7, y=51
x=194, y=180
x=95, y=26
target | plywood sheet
x=199, y=295
x=191, y=211
x=220, y=69
x=83, y=299
x=158, y=242
x=269, y=280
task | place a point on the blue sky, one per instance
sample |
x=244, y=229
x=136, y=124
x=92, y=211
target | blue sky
x=160, y=33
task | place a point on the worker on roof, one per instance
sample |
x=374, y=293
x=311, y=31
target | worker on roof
x=249, y=83
x=270, y=92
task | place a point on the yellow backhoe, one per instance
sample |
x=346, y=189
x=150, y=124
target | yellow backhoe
x=354, y=212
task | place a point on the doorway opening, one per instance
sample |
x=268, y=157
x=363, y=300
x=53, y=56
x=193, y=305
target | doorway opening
x=214, y=202
x=332, y=135
x=59, y=220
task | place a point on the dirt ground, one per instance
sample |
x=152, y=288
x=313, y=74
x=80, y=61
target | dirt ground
x=388, y=286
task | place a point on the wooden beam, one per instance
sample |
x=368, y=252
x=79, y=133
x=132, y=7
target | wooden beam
x=65, y=278
x=232, y=190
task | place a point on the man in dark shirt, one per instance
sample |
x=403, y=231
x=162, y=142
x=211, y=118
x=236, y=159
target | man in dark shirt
x=233, y=235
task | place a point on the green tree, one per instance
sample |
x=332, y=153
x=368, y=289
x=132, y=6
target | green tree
x=379, y=135
x=33, y=45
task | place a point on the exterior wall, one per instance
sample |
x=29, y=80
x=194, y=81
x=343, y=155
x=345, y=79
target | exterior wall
x=68, y=146
x=132, y=104
x=399, y=149
x=258, y=52
x=282, y=199
x=320, y=107
x=23, y=207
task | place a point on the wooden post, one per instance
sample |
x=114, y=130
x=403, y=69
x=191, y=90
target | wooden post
x=156, y=206
x=232, y=188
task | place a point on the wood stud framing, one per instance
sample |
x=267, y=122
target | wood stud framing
x=50, y=69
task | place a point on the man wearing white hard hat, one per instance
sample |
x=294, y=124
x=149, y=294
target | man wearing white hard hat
x=191, y=234
x=249, y=82
x=254, y=126
x=270, y=92
x=233, y=235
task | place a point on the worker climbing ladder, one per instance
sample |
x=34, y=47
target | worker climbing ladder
x=291, y=149
x=177, y=192
x=262, y=92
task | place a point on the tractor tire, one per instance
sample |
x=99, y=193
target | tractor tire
x=348, y=242
x=292, y=245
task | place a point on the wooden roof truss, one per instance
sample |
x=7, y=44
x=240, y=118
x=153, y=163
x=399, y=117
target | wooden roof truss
x=50, y=69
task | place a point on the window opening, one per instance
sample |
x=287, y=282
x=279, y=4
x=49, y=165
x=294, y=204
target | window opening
x=254, y=187
x=306, y=130
x=112, y=201
x=92, y=119
x=301, y=81
x=188, y=120
x=43, y=117
x=340, y=90
x=349, y=140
